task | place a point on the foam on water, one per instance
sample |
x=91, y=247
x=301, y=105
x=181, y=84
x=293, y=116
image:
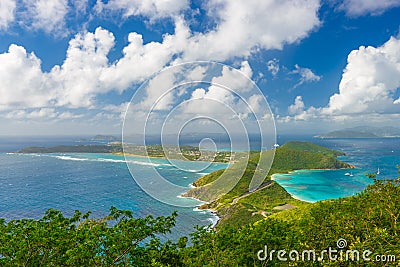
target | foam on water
x=94, y=182
x=99, y=159
x=71, y=158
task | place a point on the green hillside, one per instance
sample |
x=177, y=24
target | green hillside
x=368, y=222
x=310, y=147
x=240, y=206
x=304, y=155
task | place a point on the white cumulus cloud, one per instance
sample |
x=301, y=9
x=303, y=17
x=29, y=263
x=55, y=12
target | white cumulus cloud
x=154, y=9
x=245, y=26
x=7, y=13
x=142, y=60
x=367, y=90
x=87, y=72
x=46, y=15
x=369, y=81
x=78, y=76
x=355, y=8
x=298, y=106
x=22, y=83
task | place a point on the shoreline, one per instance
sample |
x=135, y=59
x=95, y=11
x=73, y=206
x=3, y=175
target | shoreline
x=212, y=212
x=122, y=154
x=215, y=213
x=291, y=195
x=294, y=171
x=198, y=208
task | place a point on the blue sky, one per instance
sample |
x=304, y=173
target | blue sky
x=71, y=67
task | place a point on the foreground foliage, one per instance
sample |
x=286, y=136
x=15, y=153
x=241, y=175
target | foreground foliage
x=368, y=221
x=55, y=240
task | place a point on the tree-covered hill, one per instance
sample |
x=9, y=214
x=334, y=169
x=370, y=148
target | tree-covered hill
x=366, y=223
x=239, y=206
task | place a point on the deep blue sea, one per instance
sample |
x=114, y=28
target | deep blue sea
x=30, y=184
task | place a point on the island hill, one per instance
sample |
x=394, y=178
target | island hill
x=240, y=207
x=364, y=132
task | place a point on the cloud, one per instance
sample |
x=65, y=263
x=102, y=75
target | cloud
x=86, y=72
x=356, y=8
x=22, y=82
x=7, y=10
x=245, y=26
x=306, y=75
x=153, y=9
x=36, y=114
x=47, y=15
x=41, y=114
x=298, y=106
x=369, y=81
x=273, y=66
x=73, y=84
x=231, y=79
x=230, y=89
x=78, y=77
x=367, y=89
x=141, y=60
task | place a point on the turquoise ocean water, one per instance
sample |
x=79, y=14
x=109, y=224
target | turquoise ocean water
x=367, y=155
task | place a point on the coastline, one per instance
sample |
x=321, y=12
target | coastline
x=198, y=208
x=215, y=213
x=134, y=155
x=294, y=171
x=291, y=195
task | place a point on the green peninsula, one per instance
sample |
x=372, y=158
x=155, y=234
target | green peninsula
x=240, y=206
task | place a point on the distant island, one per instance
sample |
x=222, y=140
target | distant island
x=109, y=148
x=191, y=153
x=364, y=132
x=100, y=137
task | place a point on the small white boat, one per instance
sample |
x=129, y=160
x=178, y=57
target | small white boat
x=351, y=174
x=347, y=174
x=378, y=172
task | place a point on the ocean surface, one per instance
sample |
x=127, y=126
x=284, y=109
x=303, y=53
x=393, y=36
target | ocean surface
x=30, y=184
x=367, y=155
